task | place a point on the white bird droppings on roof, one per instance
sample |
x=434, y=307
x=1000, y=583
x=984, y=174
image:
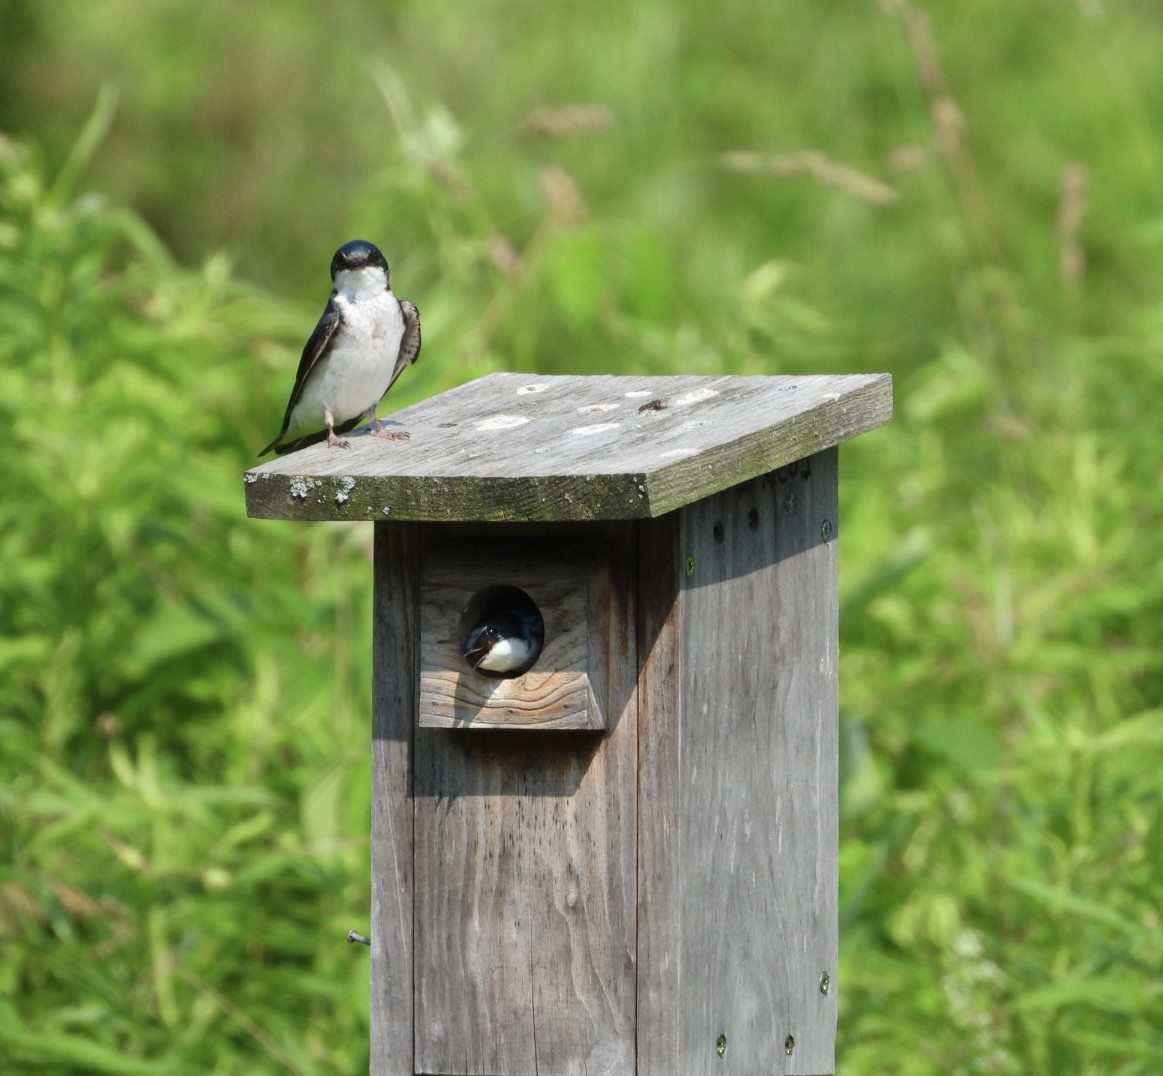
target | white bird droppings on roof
x=601, y=427
x=695, y=396
x=502, y=422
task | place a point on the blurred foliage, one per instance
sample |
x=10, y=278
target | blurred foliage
x=967, y=196
x=183, y=779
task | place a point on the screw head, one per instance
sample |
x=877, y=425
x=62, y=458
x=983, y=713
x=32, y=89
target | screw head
x=789, y=1045
x=690, y=566
x=721, y=1045
x=825, y=982
x=826, y=530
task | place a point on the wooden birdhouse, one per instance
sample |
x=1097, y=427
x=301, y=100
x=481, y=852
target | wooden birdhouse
x=621, y=858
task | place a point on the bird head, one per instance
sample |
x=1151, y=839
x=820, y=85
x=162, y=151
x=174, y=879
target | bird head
x=480, y=643
x=506, y=643
x=357, y=255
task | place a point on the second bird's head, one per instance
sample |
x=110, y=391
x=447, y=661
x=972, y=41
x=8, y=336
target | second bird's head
x=506, y=643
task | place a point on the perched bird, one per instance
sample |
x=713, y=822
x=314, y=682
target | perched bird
x=506, y=642
x=362, y=343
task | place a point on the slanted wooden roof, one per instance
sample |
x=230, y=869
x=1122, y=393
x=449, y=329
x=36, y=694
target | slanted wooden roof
x=526, y=448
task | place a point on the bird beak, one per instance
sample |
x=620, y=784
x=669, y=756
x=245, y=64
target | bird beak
x=474, y=655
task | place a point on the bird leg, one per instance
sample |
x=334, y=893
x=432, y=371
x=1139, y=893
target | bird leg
x=333, y=439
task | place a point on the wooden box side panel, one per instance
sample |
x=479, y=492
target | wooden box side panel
x=564, y=689
x=758, y=622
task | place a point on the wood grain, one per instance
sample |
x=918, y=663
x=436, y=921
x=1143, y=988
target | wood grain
x=568, y=587
x=525, y=883
x=758, y=768
x=528, y=447
x=660, y=797
x=394, y=662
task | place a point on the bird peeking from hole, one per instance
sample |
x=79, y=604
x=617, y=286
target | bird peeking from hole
x=507, y=634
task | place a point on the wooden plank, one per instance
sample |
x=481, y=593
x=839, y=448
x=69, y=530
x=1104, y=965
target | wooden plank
x=394, y=661
x=660, y=870
x=522, y=447
x=525, y=885
x=759, y=742
x=568, y=585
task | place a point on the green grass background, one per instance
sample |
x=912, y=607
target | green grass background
x=969, y=196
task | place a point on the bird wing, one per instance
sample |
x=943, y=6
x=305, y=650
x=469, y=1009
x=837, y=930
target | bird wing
x=409, y=342
x=314, y=350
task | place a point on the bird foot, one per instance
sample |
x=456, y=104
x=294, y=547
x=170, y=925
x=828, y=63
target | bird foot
x=389, y=435
x=335, y=441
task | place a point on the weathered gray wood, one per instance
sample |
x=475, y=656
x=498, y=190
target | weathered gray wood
x=517, y=447
x=569, y=588
x=758, y=742
x=525, y=884
x=394, y=661
x=660, y=796
x=620, y=900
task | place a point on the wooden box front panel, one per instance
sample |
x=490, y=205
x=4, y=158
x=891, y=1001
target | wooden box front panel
x=525, y=888
x=565, y=688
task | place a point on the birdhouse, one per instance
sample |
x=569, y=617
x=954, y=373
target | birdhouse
x=615, y=850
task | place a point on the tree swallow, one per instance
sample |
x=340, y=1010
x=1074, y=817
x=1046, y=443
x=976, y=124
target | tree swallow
x=506, y=642
x=362, y=343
